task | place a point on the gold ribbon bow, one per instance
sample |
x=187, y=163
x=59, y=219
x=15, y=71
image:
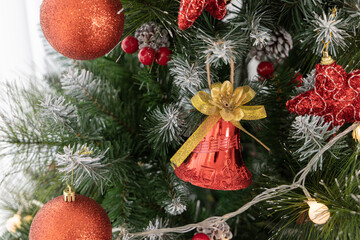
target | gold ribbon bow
x=224, y=103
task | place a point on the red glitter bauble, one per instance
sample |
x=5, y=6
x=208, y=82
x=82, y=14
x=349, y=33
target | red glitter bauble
x=130, y=44
x=163, y=56
x=82, y=29
x=265, y=69
x=336, y=96
x=190, y=10
x=200, y=236
x=146, y=56
x=83, y=219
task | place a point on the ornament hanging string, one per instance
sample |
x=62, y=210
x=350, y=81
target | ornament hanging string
x=224, y=103
x=326, y=58
x=232, y=80
x=70, y=187
x=298, y=182
x=232, y=68
x=84, y=151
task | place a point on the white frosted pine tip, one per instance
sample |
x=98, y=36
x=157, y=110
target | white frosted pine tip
x=258, y=33
x=330, y=28
x=123, y=233
x=158, y=224
x=85, y=161
x=260, y=37
x=354, y=9
x=170, y=123
x=175, y=207
x=233, y=8
x=312, y=132
x=308, y=83
x=187, y=76
x=78, y=81
x=220, y=51
x=58, y=109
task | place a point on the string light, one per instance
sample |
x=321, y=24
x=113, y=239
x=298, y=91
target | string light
x=356, y=134
x=318, y=212
x=299, y=181
x=13, y=223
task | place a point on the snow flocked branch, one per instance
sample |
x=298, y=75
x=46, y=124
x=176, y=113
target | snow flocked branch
x=312, y=132
x=298, y=182
x=85, y=161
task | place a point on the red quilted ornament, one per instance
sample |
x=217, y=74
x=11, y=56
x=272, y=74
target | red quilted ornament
x=336, y=96
x=190, y=10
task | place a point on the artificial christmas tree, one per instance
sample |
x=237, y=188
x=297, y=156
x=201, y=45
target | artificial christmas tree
x=119, y=122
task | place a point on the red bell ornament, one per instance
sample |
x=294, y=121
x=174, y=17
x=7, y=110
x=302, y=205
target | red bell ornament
x=216, y=162
x=211, y=158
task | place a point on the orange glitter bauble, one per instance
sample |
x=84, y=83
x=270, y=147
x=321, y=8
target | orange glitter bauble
x=82, y=29
x=83, y=219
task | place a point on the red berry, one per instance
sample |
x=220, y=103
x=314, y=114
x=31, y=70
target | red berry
x=130, y=44
x=265, y=69
x=200, y=236
x=146, y=56
x=298, y=80
x=163, y=56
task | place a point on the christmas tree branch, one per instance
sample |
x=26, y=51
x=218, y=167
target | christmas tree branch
x=84, y=85
x=298, y=182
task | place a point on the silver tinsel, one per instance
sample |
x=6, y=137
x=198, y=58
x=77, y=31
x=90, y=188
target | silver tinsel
x=278, y=47
x=218, y=231
x=152, y=35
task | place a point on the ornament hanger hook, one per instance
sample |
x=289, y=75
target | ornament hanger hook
x=84, y=151
x=69, y=193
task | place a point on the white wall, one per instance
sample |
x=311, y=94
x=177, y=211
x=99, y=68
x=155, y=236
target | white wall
x=21, y=51
x=21, y=55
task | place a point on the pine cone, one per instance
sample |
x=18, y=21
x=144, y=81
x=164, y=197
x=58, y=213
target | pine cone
x=217, y=231
x=278, y=47
x=151, y=35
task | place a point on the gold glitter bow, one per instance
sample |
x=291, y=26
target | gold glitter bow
x=224, y=103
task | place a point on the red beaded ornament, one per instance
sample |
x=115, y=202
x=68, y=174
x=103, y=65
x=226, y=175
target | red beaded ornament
x=130, y=44
x=190, y=10
x=200, y=236
x=146, y=56
x=163, y=56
